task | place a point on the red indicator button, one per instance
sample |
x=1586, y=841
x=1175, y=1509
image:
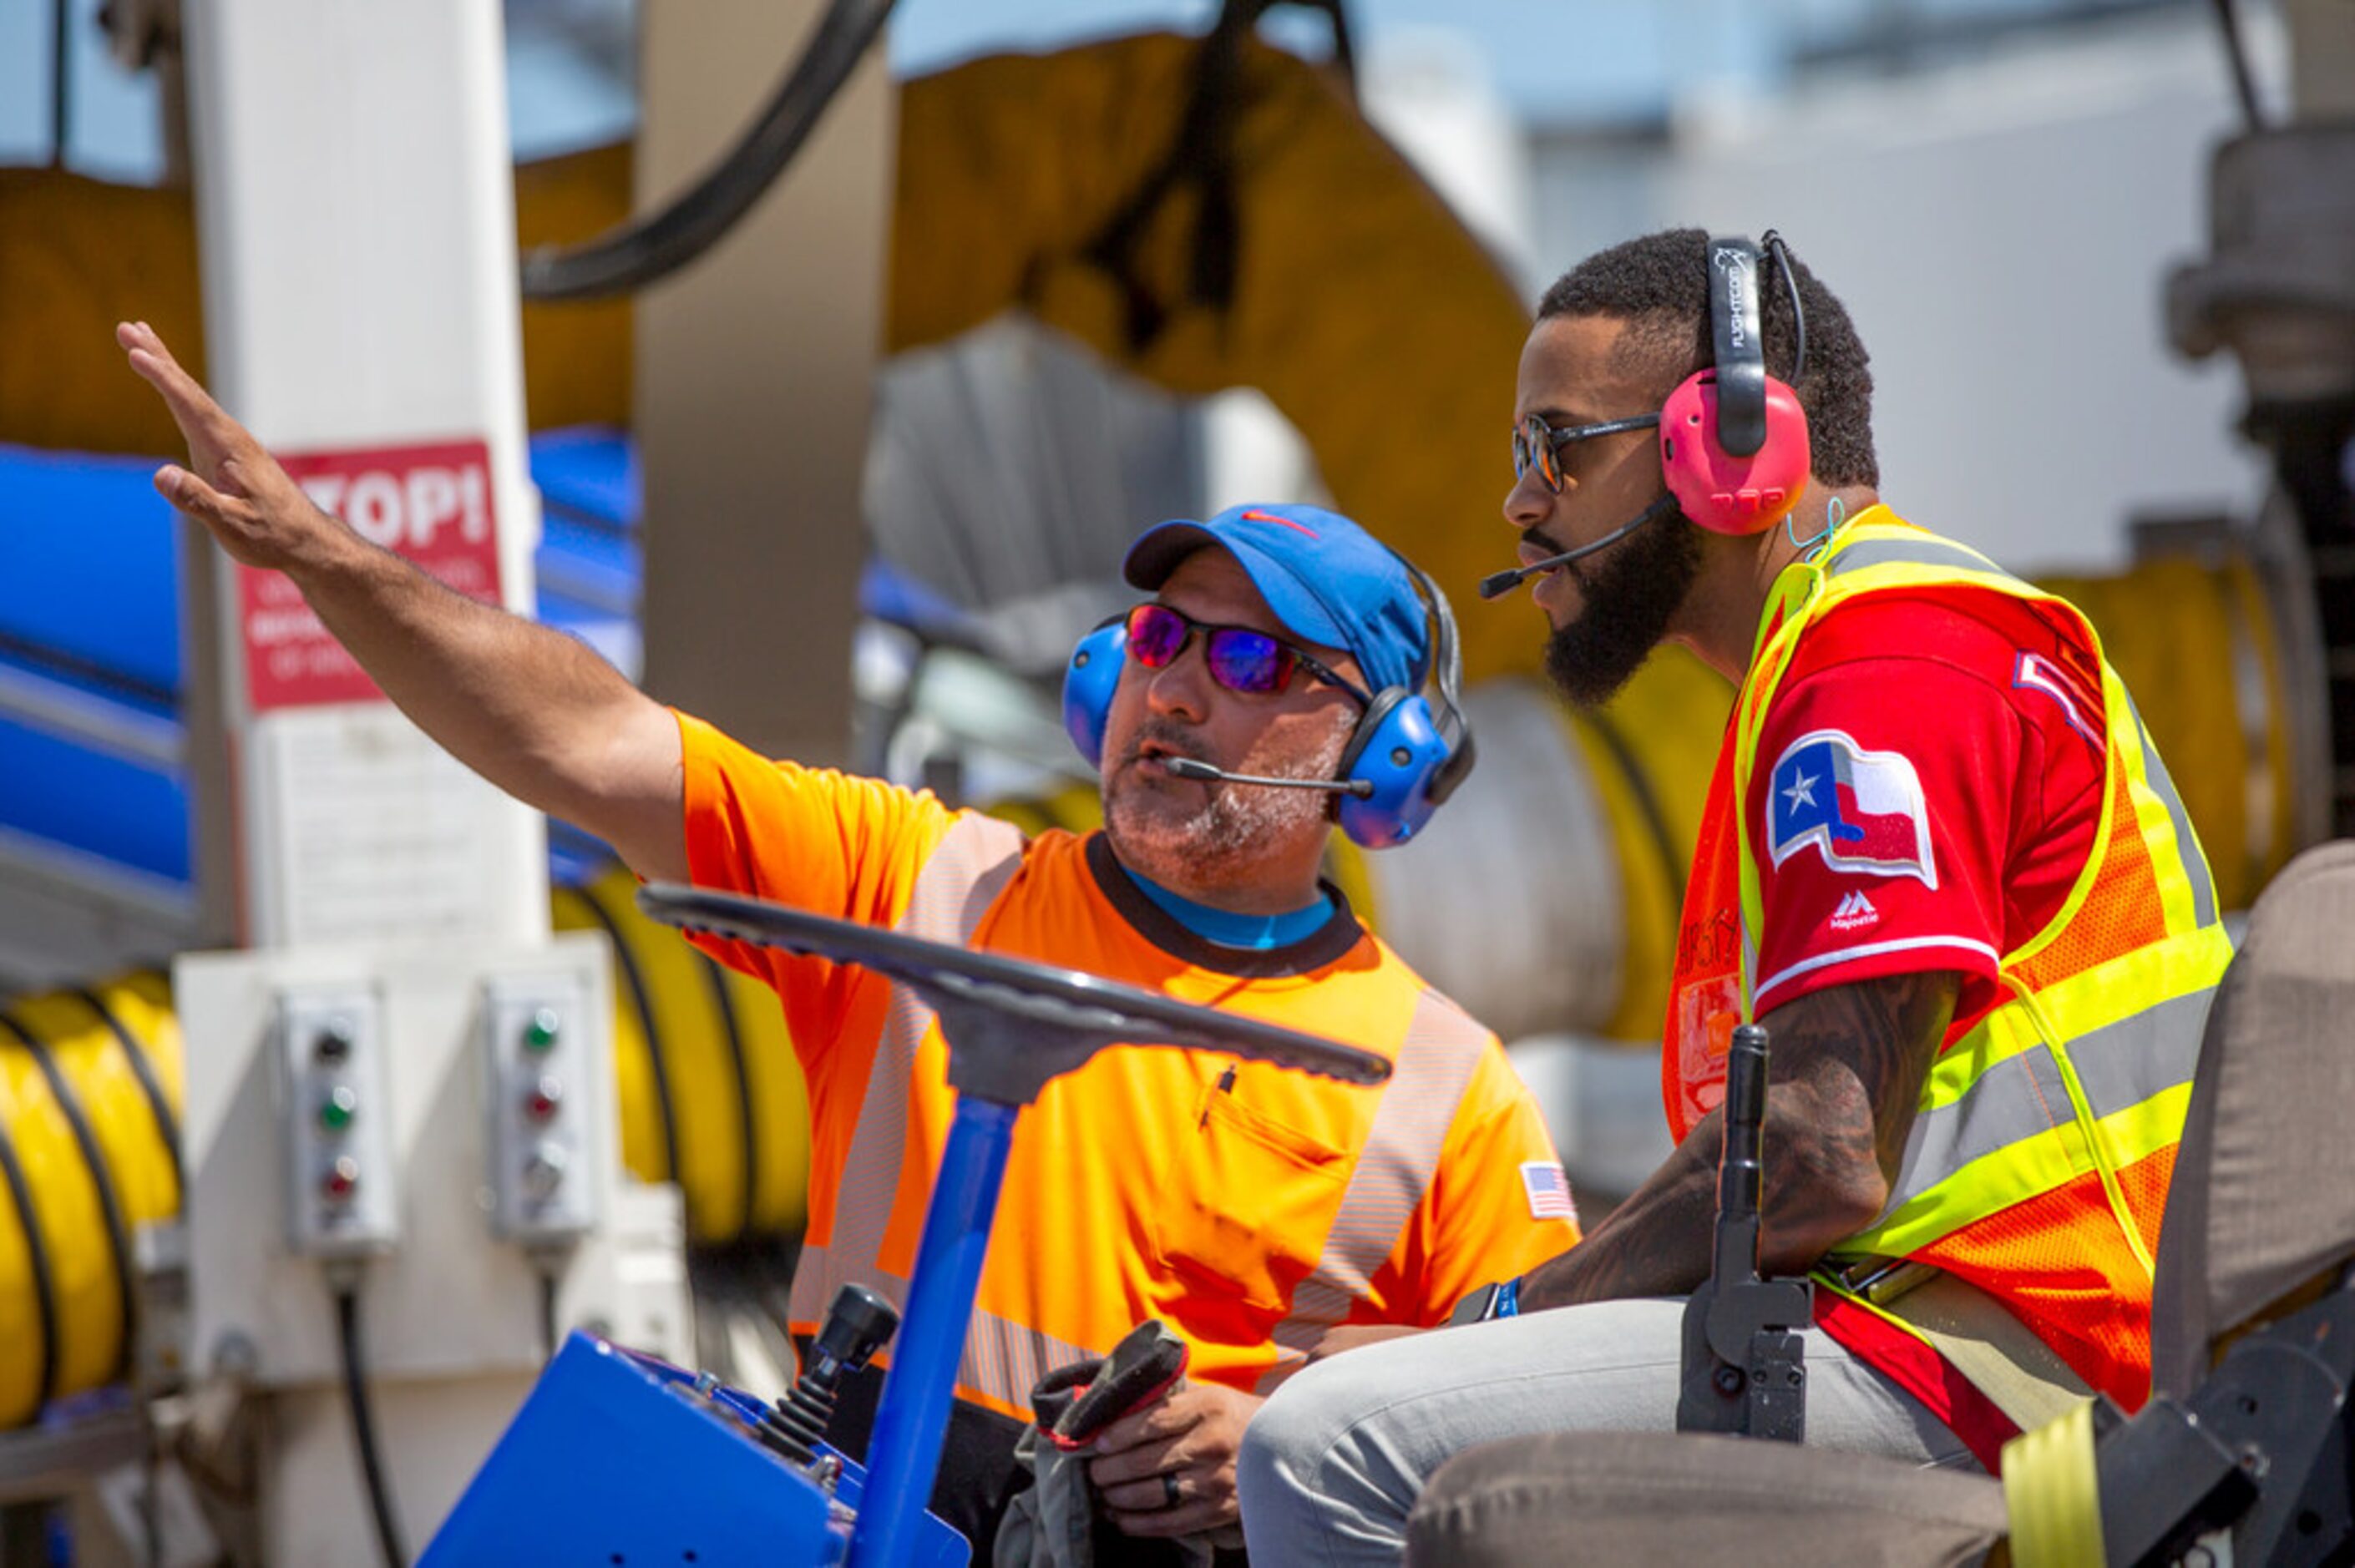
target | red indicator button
x=541, y=1103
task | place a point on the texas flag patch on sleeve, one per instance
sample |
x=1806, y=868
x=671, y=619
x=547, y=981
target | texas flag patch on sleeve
x=1862, y=810
x=1548, y=1190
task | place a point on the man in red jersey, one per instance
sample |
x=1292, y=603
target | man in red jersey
x=1941, y=863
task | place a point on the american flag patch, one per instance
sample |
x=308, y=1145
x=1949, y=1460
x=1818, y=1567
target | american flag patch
x=1549, y=1191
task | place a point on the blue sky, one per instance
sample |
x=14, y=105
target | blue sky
x=1552, y=61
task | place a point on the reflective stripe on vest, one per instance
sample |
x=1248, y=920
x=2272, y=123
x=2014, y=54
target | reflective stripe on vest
x=2019, y=1109
x=2194, y=865
x=967, y=869
x=1003, y=1359
x=1434, y=1061
x=2085, y=1074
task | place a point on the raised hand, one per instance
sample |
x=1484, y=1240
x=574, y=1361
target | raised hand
x=232, y=484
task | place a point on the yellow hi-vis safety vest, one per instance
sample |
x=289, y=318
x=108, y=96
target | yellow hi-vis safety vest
x=2037, y=1167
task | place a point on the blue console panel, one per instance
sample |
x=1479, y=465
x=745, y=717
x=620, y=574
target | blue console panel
x=619, y=1461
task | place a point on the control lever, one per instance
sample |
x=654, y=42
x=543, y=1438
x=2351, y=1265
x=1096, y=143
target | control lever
x=1744, y=1363
x=859, y=1322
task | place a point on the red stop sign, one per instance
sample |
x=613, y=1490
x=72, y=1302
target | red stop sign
x=430, y=504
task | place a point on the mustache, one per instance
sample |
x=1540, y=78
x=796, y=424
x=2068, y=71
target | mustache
x=1574, y=570
x=1174, y=737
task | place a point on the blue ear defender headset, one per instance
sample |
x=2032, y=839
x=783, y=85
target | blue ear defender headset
x=1402, y=760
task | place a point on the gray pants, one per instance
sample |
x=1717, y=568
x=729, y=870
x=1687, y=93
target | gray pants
x=1332, y=1464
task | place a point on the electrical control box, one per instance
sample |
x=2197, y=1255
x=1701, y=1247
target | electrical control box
x=547, y=1104
x=436, y=1122
x=341, y=1192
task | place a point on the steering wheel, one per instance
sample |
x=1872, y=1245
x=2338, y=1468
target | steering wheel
x=1011, y=1024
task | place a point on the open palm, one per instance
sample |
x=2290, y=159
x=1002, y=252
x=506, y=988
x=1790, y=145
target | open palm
x=232, y=484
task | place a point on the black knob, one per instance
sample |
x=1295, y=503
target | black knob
x=335, y=1040
x=859, y=1322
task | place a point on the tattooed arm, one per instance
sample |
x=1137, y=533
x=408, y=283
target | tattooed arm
x=1843, y=1079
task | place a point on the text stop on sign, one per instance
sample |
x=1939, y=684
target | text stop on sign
x=429, y=503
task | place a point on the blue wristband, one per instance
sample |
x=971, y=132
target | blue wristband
x=1508, y=1303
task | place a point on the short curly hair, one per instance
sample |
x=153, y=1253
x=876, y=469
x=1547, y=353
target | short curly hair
x=1659, y=283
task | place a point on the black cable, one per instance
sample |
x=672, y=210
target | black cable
x=167, y=1126
x=1202, y=156
x=356, y=1397
x=634, y=983
x=644, y=249
x=1648, y=800
x=2228, y=18
x=1782, y=253
x=76, y=669
x=61, y=81
x=547, y=1334
x=37, y=1255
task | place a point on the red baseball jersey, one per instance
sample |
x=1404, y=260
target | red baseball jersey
x=1928, y=789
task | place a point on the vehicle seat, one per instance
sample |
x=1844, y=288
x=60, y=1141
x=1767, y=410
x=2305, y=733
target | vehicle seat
x=2260, y=1219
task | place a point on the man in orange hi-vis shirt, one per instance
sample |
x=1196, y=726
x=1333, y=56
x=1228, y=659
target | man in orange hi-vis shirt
x=1251, y=1209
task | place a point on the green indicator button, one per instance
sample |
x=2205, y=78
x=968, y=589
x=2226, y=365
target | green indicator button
x=336, y=1112
x=540, y=1034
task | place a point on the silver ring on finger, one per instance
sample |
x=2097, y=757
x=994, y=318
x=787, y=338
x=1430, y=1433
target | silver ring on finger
x=1169, y=1497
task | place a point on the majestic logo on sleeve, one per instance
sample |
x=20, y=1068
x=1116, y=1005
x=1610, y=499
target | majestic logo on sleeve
x=1862, y=810
x=1855, y=912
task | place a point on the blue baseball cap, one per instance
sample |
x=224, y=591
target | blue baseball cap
x=1327, y=581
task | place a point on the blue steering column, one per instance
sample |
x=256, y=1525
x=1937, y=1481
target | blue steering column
x=1012, y=1026
x=920, y=1383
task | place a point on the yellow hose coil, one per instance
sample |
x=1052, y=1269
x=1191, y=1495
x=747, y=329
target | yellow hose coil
x=1651, y=752
x=70, y=1080
x=701, y=1058
x=90, y=1085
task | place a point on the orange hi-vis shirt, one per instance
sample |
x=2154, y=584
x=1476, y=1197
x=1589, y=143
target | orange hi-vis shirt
x=1247, y=1206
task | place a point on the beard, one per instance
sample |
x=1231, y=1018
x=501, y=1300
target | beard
x=1627, y=600
x=1220, y=838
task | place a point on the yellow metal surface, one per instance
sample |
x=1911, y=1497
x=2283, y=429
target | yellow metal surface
x=1361, y=307
x=2194, y=641
x=78, y=255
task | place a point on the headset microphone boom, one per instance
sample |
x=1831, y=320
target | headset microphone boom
x=1498, y=584
x=1190, y=767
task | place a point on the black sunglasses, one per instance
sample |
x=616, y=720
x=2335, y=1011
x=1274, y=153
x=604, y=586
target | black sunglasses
x=1241, y=658
x=1537, y=444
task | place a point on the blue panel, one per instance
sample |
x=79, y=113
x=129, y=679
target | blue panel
x=590, y=470
x=90, y=802
x=611, y=1461
x=574, y=857
x=90, y=599
x=88, y=563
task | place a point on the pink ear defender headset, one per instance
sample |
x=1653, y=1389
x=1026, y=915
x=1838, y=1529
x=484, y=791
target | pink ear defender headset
x=1733, y=440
